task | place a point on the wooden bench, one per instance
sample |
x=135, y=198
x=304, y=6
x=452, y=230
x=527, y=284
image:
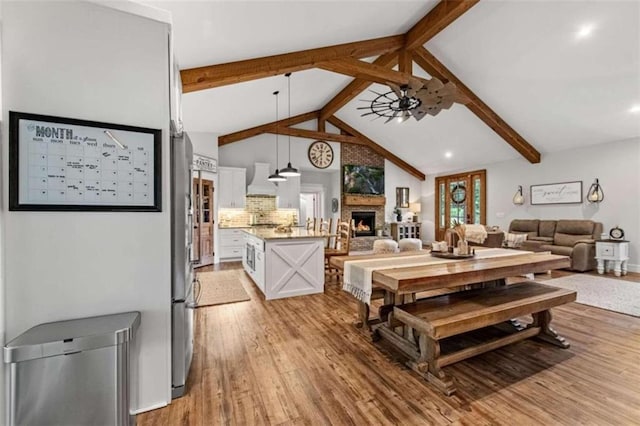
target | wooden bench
x=440, y=317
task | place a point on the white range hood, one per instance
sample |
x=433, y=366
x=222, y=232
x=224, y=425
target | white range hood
x=260, y=184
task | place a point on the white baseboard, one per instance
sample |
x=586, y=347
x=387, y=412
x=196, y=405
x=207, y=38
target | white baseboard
x=633, y=268
x=149, y=408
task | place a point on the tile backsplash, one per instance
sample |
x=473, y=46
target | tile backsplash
x=264, y=209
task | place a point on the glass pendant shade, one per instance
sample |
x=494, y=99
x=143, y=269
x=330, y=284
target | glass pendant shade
x=518, y=198
x=595, y=194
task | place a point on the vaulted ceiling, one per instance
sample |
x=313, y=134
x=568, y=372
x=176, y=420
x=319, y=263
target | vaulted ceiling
x=524, y=59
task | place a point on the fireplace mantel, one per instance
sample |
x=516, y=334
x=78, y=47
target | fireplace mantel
x=363, y=200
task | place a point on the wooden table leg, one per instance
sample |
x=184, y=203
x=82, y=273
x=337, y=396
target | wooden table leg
x=435, y=375
x=363, y=316
x=548, y=334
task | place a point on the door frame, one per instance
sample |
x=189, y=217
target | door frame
x=469, y=177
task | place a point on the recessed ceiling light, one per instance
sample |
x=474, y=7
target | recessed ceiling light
x=585, y=31
x=635, y=109
x=448, y=154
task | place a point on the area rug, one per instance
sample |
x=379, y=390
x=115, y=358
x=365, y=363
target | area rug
x=219, y=288
x=606, y=293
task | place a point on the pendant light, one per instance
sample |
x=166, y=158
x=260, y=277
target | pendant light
x=276, y=177
x=289, y=171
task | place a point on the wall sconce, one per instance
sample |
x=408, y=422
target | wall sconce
x=518, y=198
x=402, y=197
x=595, y=194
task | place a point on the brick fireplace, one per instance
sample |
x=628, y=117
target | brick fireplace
x=364, y=156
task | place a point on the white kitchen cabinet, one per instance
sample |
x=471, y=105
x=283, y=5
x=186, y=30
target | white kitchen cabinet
x=232, y=182
x=289, y=193
x=232, y=244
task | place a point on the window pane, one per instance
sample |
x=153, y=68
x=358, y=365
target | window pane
x=442, y=205
x=476, y=200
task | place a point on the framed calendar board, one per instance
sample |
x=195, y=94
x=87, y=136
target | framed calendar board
x=65, y=164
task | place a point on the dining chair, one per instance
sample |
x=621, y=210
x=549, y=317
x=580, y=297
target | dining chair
x=340, y=248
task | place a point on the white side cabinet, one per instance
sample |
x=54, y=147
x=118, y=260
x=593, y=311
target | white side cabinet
x=612, y=254
x=231, y=244
x=232, y=183
x=289, y=193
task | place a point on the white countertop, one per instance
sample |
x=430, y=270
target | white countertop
x=270, y=234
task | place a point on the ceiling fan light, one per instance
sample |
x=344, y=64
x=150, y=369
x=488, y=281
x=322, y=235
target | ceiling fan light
x=289, y=171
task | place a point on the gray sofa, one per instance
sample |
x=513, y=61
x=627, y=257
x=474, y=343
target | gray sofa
x=573, y=238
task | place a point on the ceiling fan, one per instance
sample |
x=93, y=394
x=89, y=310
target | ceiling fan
x=415, y=99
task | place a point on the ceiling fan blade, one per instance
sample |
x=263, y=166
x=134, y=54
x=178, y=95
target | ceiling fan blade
x=395, y=88
x=434, y=84
x=461, y=98
x=418, y=114
x=426, y=98
x=447, y=102
x=413, y=86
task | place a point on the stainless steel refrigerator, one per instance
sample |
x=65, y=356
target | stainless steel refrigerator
x=184, y=287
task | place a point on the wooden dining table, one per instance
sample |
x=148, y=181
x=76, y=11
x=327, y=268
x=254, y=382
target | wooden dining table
x=477, y=296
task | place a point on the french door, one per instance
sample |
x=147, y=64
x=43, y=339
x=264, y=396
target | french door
x=460, y=198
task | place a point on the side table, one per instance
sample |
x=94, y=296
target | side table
x=616, y=251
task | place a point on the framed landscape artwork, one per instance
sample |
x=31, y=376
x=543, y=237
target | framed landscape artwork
x=557, y=193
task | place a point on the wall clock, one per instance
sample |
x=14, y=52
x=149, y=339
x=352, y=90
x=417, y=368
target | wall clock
x=616, y=233
x=320, y=154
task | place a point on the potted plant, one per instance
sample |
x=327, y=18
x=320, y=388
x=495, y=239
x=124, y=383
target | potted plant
x=398, y=213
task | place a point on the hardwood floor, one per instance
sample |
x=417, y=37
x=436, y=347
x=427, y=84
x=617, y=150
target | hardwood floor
x=301, y=361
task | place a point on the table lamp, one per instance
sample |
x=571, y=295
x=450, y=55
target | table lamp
x=415, y=208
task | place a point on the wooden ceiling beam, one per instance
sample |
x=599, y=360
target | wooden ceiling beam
x=438, y=18
x=405, y=61
x=435, y=68
x=218, y=75
x=366, y=71
x=377, y=148
x=264, y=128
x=357, y=86
x=312, y=134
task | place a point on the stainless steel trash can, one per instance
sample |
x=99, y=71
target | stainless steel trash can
x=72, y=372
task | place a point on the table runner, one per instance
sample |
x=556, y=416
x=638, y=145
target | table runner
x=357, y=274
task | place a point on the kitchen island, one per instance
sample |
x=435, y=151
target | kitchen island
x=284, y=264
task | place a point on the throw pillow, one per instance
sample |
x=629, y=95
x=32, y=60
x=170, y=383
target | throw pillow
x=514, y=240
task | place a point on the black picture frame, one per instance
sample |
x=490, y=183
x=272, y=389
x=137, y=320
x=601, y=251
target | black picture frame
x=14, y=166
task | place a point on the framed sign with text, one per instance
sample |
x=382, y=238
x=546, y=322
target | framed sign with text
x=557, y=193
x=65, y=164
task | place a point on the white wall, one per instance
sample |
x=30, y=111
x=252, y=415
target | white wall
x=395, y=177
x=2, y=268
x=261, y=149
x=82, y=60
x=616, y=164
x=331, y=185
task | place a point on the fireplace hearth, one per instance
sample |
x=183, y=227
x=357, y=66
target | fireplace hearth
x=365, y=223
